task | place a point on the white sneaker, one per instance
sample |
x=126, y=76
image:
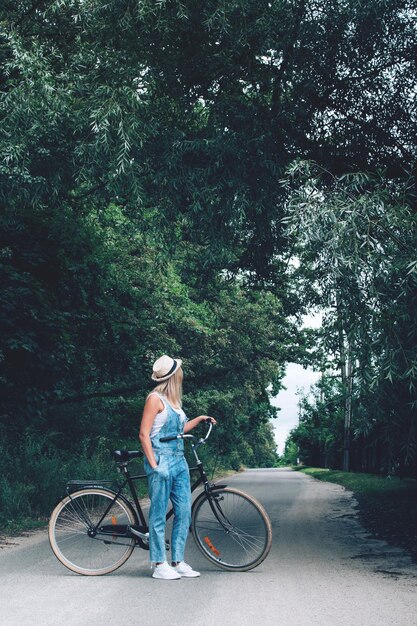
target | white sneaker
x=185, y=570
x=166, y=572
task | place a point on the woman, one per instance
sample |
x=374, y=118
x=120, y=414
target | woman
x=166, y=467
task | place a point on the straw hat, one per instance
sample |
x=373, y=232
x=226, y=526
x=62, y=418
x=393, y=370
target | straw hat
x=164, y=368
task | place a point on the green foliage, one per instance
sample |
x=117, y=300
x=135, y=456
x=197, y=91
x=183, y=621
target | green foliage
x=189, y=113
x=143, y=149
x=291, y=453
x=356, y=238
x=360, y=483
x=318, y=438
x=33, y=476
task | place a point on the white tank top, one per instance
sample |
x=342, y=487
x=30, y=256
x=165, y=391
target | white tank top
x=162, y=417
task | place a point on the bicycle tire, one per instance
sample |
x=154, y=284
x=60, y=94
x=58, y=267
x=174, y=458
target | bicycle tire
x=69, y=538
x=244, y=538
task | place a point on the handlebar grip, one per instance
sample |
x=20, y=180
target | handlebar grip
x=170, y=438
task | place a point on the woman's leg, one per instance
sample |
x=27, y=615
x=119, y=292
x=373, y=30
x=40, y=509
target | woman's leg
x=181, y=502
x=159, y=489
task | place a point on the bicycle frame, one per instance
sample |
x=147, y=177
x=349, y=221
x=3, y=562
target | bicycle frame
x=129, y=481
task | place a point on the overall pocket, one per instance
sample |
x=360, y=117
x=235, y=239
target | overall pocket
x=147, y=466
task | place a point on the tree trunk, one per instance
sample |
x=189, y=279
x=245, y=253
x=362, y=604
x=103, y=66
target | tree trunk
x=347, y=386
x=348, y=414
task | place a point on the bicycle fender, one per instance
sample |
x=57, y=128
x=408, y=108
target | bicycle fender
x=81, y=488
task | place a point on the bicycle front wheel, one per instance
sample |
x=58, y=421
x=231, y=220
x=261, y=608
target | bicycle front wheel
x=76, y=546
x=231, y=529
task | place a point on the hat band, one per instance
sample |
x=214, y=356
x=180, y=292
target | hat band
x=171, y=370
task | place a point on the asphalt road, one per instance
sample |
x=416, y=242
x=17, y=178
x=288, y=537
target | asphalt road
x=323, y=569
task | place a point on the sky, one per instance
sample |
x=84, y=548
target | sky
x=296, y=377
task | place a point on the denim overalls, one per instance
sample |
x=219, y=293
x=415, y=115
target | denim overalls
x=169, y=480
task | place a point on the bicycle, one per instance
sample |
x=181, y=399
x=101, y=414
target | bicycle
x=94, y=529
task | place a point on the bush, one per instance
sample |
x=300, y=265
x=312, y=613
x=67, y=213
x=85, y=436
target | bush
x=31, y=486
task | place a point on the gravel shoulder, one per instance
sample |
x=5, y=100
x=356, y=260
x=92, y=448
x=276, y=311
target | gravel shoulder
x=387, y=506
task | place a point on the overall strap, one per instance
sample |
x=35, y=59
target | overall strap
x=172, y=426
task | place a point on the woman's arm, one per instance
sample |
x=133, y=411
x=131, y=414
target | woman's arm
x=153, y=406
x=196, y=421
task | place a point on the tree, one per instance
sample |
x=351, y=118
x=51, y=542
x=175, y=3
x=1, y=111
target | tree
x=356, y=238
x=191, y=112
x=291, y=452
x=318, y=438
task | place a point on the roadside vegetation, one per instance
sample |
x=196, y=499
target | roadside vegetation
x=387, y=504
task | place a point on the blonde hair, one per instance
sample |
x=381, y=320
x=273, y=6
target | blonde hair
x=172, y=388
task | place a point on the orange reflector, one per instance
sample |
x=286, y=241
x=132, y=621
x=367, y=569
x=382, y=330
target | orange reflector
x=114, y=520
x=210, y=545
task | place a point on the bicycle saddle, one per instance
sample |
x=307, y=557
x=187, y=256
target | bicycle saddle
x=124, y=456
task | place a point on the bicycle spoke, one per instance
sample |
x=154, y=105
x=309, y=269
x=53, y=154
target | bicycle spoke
x=72, y=515
x=75, y=517
x=236, y=535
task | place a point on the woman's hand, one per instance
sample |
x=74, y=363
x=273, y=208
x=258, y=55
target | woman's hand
x=196, y=421
x=207, y=418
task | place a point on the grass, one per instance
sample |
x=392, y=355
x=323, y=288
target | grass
x=387, y=505
x=14, y=528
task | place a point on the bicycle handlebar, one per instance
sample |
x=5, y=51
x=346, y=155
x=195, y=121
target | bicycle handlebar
x=163, y=439
x=186, y=436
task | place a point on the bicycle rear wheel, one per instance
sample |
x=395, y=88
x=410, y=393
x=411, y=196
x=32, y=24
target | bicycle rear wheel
x=233, y=531
x=75, y=516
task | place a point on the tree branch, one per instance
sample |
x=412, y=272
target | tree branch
x=287, y=56
x=112, y=393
